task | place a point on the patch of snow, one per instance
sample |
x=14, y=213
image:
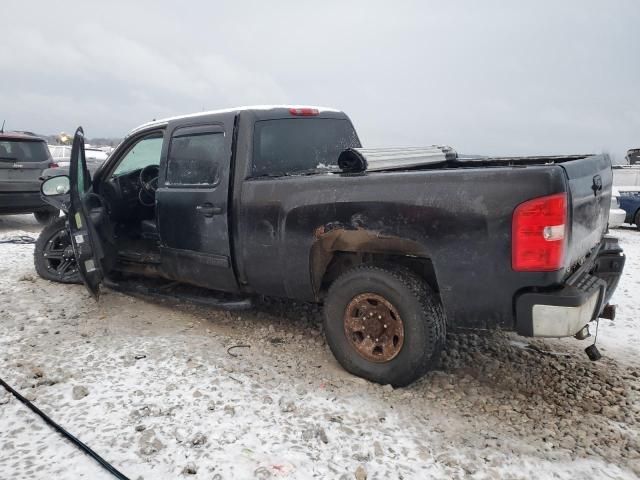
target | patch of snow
x=162, y=399
x=621, y=338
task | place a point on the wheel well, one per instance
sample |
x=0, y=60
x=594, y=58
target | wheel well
x=341, y=261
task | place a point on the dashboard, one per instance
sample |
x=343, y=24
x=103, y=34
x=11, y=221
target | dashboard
x=122, y=196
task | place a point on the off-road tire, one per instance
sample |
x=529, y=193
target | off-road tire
x=46, y=217
x=422, y=317
x=41, y=262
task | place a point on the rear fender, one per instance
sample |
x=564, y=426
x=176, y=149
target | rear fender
x=332, y=238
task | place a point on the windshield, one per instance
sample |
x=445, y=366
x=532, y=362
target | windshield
x=23, y=151
x=144, y=152
x=290, y=146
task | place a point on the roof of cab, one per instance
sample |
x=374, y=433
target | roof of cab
x=164, y=121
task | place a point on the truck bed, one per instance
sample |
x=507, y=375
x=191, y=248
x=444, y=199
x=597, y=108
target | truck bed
x=456, y=215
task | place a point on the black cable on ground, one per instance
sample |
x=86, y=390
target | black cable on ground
x=19, y=240
x=106, y=465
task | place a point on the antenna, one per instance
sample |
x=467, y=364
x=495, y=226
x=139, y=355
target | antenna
x=2, y=129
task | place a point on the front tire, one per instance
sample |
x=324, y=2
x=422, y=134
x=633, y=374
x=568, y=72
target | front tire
x=46, y=217
x=384, y=324
x=53, y=255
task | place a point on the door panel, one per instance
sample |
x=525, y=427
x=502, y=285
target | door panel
x=192, y=207
x=85, y=209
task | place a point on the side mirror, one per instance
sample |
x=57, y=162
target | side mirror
x=55, y=186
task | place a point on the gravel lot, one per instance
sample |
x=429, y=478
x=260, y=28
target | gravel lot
x=154, y=389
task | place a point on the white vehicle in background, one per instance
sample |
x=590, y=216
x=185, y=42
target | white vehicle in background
x=616, y=214
x=626, y=175
x=633, y=156
x=95, y=153
x=625, y=178
x=60, y=153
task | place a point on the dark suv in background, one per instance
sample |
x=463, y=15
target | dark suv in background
x=23, y=158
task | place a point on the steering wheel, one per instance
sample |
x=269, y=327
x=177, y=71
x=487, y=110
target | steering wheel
x=148, y=185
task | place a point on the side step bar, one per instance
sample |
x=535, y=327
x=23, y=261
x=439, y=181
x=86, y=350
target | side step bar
x=197, y=296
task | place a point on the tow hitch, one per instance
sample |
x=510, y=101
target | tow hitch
x=583, y=334
x=592, y=351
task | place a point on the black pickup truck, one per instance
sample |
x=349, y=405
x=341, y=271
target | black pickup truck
x=399, y=244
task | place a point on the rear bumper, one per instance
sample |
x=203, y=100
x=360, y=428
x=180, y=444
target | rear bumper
x=563, y=312
x=616, y=217
x=21, y=202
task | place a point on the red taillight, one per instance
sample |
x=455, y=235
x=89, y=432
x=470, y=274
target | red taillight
x=538, y=235
x=53, y=165
x=304, y=112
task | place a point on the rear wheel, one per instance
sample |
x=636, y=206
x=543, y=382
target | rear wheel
x=637, y=219
x=384, y=324
x=53, y=256
x=45, y=217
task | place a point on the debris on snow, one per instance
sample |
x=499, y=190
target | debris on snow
x=79, y=392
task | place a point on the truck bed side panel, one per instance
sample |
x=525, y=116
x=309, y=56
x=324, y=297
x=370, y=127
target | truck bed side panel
x=459, y=218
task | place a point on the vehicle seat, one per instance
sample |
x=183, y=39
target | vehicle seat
x=149, y=230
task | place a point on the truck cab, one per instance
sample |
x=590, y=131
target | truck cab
x=162, y=203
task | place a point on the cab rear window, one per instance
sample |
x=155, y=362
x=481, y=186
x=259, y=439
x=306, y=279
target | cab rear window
x=23, y=151
x=300, y=145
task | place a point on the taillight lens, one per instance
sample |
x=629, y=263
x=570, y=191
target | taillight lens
x=538, y=235
x=304, y=112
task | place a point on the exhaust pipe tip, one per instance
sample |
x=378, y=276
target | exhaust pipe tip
x=609, y=312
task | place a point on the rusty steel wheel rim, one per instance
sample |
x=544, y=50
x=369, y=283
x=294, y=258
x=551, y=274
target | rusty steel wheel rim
x=373, y=327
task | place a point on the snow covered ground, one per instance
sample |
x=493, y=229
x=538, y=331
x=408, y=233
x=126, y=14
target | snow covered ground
x=154, y=389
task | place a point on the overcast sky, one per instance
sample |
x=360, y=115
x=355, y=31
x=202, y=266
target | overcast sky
x=487, y=77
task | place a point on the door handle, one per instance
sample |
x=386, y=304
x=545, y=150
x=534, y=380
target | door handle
x=208, y=209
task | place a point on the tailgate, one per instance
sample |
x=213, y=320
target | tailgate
x=590, y=180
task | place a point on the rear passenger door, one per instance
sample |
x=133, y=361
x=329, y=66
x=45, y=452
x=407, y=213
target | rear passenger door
x=192, y=207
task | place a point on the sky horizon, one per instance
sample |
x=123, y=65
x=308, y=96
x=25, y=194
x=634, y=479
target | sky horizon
x=495, y=78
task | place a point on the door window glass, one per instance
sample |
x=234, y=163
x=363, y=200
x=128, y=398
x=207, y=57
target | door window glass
x=81, y=171
x=194, y=159
x=143, y=153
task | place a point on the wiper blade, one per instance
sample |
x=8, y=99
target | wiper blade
x=12, y=159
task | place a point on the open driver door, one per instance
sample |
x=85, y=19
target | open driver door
x=85, y=212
